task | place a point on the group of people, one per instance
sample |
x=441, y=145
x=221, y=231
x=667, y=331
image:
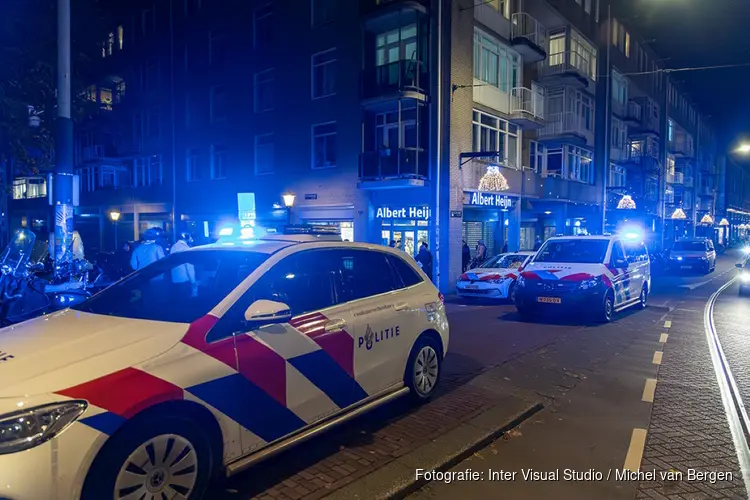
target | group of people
x=423, y=258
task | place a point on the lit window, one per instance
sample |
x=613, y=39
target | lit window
x=324, y=74
x=627, y=44
x=324, y=145
x=396, y=45
x=119, y=37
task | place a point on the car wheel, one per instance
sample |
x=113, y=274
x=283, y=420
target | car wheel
x=155, y=458
x=423, y=369
x=607, y=308
x=643, y=303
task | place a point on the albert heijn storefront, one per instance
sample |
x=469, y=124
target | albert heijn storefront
x=401, y=216
x=493, y=218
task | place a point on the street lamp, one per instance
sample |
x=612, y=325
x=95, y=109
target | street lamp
x=288, y=203
x=115, y=216
x=744, y=148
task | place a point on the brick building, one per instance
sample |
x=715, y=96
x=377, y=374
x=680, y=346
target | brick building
x=396, y=120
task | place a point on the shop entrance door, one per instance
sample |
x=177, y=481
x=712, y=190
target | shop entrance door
x=407, y=240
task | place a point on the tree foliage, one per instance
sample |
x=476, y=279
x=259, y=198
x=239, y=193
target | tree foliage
x=28, y=75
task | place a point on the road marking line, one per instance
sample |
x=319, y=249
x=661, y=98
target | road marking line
x=635, y=450
x=667, y=324
x=657, y=358
x=663, y=338
x=649, y=390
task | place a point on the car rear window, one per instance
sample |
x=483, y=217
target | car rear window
x=573, y=251
x=408, y=275
x=690, y=246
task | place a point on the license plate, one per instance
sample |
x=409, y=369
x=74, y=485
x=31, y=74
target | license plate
x=472, y=287
x=549, y=300
x=685, y=267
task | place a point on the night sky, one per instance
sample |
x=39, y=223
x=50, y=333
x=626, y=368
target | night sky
x=690, y=33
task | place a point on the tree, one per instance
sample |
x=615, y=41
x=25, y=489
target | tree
x=29, y=77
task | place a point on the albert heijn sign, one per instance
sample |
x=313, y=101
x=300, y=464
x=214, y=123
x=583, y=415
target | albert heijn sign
x=480, y=199
x=421, y=213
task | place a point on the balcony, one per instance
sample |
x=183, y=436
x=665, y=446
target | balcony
x=634, y=114
x=393, y=168
x=401, y=79
x=706, y=192
x=566, y=128
x=681, y=147
x=674, y=178
x=566, y=68
x=619, y=155
x=383, y=15
x=687, y=180
x=528, y=37
x=527, y=107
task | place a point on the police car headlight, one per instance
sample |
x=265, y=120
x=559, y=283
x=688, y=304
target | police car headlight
x=590, y=283
x=26, y=429
x=745, y=277
x=497, y=281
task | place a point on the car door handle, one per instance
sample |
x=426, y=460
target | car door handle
x=401, y=306
x=335, y=325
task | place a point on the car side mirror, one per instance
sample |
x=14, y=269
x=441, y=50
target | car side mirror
x=267, y=312
x=738, y=266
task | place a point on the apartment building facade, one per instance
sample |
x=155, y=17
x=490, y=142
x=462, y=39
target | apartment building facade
x=424, y=121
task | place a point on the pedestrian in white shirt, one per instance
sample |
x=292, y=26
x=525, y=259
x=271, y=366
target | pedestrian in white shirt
x=183, y=276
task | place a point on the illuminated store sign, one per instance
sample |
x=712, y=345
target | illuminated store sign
x=422, y=213
x=489, y=200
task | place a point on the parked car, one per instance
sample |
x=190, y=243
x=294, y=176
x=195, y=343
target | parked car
x=693, y=253
x=594, y=274
x=276, y=341
x=494, y=278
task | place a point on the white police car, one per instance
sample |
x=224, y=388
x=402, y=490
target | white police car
x=592, y=274
x=151, y=388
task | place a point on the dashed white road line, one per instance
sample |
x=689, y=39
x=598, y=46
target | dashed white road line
x=667, y=324
x=663, y=338
x=649, y=390
x=657, y=357
x=635, y=450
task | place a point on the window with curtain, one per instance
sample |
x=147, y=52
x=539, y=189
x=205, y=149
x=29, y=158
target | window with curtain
x=494, y=63
x=493, y=134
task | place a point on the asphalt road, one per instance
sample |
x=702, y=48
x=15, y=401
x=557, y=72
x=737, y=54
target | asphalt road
x=590, y=376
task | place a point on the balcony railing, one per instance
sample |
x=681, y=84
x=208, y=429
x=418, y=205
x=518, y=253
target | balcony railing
x=635, y=112
x=525, y=26
x=566, y=61
x=675, y=178
x=527, y=102
x=563, y=123
x=393, y=164
x=399, y=76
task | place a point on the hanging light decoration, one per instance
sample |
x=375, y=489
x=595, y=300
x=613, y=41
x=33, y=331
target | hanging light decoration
x=626, y=203
x=707, y=219
x=678, y=214
x=493, y=181
x=724, y=222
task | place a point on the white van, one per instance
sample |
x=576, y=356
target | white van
x=597, y=274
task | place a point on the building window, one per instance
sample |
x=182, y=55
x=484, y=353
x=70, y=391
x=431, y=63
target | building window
x=120, y=35
x=194, y=170
x=502, y=6
x=617, y=176
x=582, y=55
x=324, y=145
x=563, y=102
x=264, y=95
x=392, y=134
x=587, y=6
x=263, y=26
x=264, y=154
x=619, y=134
x=579, y=163
x=219, y=103
x=627, y=44
x=536, y=157
x=218, y=162
x=670, y=131
x=322, y=12
x=147, y=171
x=217, y=47
x=29, y=187
x=148, y=21
x=619, y=89
x=396, y=45
x=493, y=134
x=324, y=74
x=153, y=123
x=494, y=63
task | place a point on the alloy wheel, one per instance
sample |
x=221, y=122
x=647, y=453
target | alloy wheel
x=426, y=370
x=164, y=467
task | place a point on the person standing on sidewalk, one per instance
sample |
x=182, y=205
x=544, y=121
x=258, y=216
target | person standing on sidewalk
x=465, y=257
x=424, y=259
x=183, y=276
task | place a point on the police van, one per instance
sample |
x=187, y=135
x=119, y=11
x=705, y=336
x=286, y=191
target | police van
x=150, y=389
x=597, y=275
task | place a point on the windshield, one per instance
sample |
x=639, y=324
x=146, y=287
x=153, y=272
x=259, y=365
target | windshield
x=573, y=251
x=504, y=262
x=162, y=291
x=690, y=246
